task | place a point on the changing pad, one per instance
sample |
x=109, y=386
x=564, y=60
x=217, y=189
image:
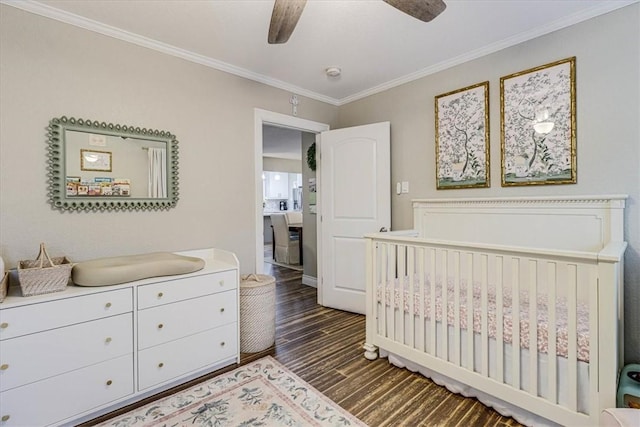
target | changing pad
x=122, y=269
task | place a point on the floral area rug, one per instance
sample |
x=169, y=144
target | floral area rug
x=263, y=393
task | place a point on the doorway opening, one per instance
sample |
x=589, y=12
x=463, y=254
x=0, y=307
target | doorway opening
x=282, y=172
x=264, y=118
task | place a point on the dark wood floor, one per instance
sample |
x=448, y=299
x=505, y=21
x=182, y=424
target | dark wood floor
x=324, y=347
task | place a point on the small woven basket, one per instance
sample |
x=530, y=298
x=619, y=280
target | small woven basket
x=257, y=312
x=44, y=274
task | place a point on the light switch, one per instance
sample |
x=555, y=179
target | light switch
x=405, y=186
x=398, y=188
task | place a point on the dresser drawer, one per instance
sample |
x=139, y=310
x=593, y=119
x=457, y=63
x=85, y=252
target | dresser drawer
x=181, y=357
x=64, y=396
x=34, y=357
x=182, y=289
x=43, y=316
x=170, y=322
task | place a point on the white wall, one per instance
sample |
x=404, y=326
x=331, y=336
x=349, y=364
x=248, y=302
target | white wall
x=49, y=69
x=608, y=134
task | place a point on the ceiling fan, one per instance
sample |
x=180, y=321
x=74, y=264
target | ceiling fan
x=286, y=13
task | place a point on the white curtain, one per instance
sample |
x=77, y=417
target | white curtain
x=157, y=173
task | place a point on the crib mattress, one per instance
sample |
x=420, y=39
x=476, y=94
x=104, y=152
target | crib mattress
x=401, y=298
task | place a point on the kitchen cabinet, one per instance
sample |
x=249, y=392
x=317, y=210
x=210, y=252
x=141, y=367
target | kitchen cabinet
x=276, y=185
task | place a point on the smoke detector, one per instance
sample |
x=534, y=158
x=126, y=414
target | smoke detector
x=333, y=71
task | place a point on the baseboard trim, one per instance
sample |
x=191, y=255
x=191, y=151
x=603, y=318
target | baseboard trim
x=309, y=281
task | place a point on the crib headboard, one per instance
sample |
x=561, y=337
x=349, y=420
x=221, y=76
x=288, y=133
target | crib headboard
x=580, y=223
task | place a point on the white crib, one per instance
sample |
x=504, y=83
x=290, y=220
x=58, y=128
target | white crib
x=563, y=253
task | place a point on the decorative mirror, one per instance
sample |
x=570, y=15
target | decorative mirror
x=95, y=166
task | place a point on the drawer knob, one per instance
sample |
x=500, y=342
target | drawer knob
x=160, y=365
x=160, y=294
x=4, y=367
x=160, y=326
x=4, y=325
x=221, y=282
x=5, y=418
x=108, y=305
x=109, y=382
x=222, y=310
x=108, y=340
x=222, y=344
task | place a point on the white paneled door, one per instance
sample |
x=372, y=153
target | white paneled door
x=355, y=199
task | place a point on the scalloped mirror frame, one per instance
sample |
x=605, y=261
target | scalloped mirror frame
x=56, y=189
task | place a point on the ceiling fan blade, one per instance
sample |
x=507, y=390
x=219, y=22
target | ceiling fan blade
x=424, y=10
x=284, y=18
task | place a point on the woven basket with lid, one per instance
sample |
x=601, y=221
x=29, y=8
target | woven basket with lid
x=257, y=312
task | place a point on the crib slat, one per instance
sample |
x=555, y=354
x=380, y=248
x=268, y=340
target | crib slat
x=421, y=300
x=445, y=304
x=393, y=275
x=432, y=304
x=411, y=272
x=456, y=308
x=499, y=320
x=401, y=274
x=484, y=315
x=515, y=329
x=572, y=335
x=384, y=280
x=471, y=350
x=552, y=282
x=533, y=327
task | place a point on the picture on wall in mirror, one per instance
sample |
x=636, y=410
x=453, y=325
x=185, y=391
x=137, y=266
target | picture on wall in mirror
x=93, y=160
x=538, y=125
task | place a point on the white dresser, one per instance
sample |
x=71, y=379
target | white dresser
x=70, y=356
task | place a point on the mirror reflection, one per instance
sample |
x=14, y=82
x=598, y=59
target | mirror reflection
x=104, y=165
x=99, y=166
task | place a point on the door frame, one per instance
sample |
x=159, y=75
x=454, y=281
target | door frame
x=265, y=117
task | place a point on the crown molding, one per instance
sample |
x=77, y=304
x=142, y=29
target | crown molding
x=559, y=24
x=117, y=33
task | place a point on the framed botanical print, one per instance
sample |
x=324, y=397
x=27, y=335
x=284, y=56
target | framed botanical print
x=538, y=125
x=462, y=138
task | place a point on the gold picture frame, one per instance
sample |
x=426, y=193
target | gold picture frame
x=93, y=160
x=462, y=138
x=538, y=125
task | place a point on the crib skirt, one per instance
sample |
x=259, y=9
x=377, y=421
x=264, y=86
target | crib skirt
x=504, y=408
